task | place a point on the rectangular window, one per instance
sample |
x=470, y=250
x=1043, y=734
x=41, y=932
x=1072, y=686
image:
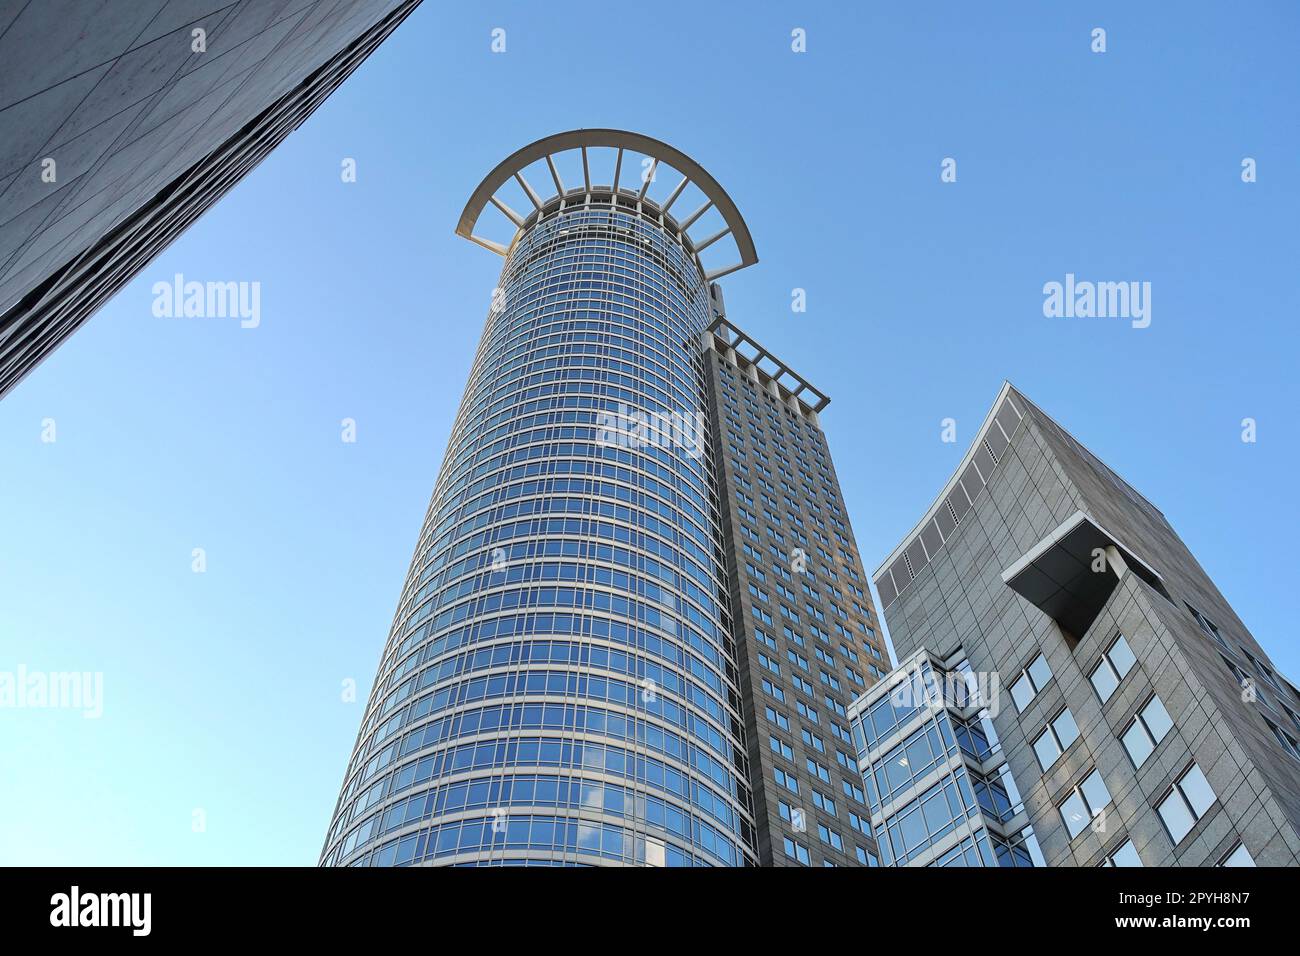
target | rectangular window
x=1149, y=727
x=1186, y=803
x=830, y=837
x=1115, y=663
x=1055, y=739
x=796, y=851
x=1237, y=856
x=1123, y=855
x=1083, y=803
x=1289, y=743
x=1031, y=680
x=1262, y=669
x=1208, y=626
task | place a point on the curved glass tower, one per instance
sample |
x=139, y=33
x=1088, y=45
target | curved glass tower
x=560, y=685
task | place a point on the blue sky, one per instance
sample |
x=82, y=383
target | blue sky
x=222, y=689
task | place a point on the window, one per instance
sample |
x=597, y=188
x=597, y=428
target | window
x=1026, y=687
x=1116, y=662
x=830, y=837
x=1055, y=739
x=1186, y=803
x=796, y=851
x=1123, y=855
x=1237, y=856
x=1289, y=743
x=781, y=747
x=1262, y=669
x=1244, y=681
x=778, y=718
x=823, y=802
x=1208, y=626
x=866, y=858
x=1148, y=728
x=787, y=780
x=812, y=740
x=1083, y=803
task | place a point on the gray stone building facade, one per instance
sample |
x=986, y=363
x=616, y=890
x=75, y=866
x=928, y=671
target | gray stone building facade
x=1141, y=721
x=123, y=121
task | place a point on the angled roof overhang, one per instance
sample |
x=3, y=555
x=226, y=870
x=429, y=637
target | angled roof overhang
x=1070, y=574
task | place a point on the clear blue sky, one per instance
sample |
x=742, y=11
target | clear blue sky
x=222, y=689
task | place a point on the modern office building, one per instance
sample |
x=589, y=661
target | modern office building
x=937, y=781
x=122, y=122
x=579, y=671
x=806, y=637
x=1111, y=709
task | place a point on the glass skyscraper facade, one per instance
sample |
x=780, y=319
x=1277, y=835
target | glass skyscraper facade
x=562, y=683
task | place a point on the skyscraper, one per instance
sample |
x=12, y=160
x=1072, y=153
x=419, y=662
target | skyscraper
x=122, y=123
x=567, y=679
x=807, y=640
x=1074, y=690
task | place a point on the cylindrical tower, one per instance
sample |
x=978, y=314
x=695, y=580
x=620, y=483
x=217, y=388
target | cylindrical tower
x=559, y=684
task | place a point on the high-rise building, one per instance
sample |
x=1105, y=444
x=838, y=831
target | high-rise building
x=1074, y=690
x=573, y=675
x=806, y=637
x=121, y=123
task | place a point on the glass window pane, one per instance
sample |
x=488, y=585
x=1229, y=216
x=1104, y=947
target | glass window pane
x=1040, y=672
x=1238, y=857
x=1103, y=681
x=1157, y=719
x=1022, y=693
x=1137, y=743
x=1046, y=750
x=1121, y=656
x=1074, y=814
x=1197, y=789
x=1177, y=819
x=1066, y=731
x=1094, y=791
x=1126, y=855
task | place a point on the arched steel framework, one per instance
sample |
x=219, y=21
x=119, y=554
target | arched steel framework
x=623, y=141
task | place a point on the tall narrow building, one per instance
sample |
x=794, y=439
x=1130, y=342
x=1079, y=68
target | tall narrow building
x=566, y=680
x=805, y=631
x=1074, y=689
